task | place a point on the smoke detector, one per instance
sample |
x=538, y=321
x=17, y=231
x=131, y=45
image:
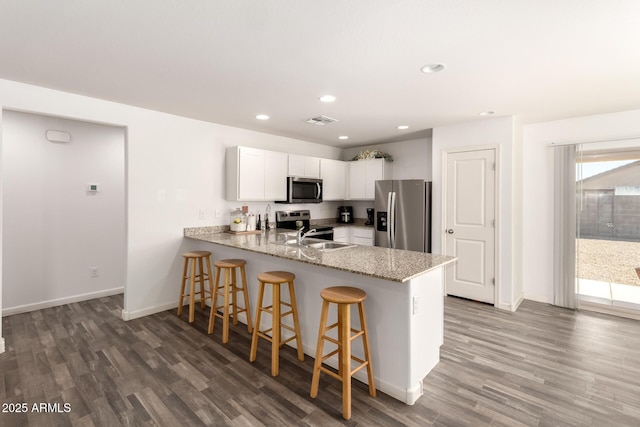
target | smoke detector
x=321, y=120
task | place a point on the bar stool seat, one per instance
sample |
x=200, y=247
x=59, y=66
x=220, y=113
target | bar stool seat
x=228, y=290
x=276, y=278
x=344, y=297
x=199, y=260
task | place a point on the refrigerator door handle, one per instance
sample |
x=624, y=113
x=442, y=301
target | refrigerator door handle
x=392, y=221
x=389, y=217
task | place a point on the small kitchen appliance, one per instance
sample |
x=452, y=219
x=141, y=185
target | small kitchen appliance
x=345, y=214
x=369, y=220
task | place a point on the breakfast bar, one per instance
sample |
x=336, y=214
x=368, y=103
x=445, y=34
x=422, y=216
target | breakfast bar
x=405, y=298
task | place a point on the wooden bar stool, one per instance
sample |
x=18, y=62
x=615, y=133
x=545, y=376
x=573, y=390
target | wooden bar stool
x=229, y=289
x=276, y=278
x=197, y=275
x=344, y=296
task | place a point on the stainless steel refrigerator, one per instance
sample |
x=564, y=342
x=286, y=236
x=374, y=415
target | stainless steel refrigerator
x=403, y=214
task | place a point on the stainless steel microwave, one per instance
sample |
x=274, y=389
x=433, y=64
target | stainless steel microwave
x=303, y=190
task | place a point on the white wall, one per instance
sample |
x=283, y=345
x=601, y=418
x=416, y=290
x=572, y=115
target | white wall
x=175, y=157
x=537, y=186
x=53, y=229
x=495, y=131
x=411, y=159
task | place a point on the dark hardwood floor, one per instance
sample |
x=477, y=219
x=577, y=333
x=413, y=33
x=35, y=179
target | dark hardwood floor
x=540, y=366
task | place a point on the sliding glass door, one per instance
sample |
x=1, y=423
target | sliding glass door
x=608, y=229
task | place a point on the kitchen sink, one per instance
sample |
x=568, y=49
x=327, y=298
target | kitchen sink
x=318, y=244
x=329, y=245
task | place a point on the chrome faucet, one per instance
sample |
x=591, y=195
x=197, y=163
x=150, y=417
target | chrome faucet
x=300, y=234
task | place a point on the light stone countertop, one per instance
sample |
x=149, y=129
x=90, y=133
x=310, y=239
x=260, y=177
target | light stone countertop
x=383, y=263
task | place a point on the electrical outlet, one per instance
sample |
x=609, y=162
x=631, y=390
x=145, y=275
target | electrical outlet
x=202, y=214
x=95, y=272
x=218, y=213
x=415, y=305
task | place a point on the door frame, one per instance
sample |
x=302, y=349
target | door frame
x=496, y=229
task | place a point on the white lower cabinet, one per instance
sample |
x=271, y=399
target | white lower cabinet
x=354, y=234
x=341, y=234
x=362, y=236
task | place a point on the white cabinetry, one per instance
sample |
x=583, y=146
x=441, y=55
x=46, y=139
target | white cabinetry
x=362, y=236
x=334, y=174
x=255, y=175
x=304, y=166
x=341, y=234
x=354, y=234
x=362, y=177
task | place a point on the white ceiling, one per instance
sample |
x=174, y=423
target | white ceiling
x=226, y=61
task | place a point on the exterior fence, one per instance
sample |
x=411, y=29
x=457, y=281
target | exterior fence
x=604, y=215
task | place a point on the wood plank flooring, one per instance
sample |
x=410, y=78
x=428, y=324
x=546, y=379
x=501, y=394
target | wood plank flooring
x=540, y=366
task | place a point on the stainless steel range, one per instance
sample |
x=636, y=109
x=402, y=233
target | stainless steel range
x=291, y=220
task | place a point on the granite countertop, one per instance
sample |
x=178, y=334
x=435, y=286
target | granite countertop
x=384, y=263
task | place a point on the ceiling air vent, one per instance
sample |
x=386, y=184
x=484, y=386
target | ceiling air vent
x=321, y=120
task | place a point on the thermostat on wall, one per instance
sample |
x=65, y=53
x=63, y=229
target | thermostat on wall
x=93, y=188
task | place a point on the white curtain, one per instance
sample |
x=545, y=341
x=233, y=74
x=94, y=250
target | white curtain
x=564, y=266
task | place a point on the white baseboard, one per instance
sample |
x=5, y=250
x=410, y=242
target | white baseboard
x=60, y=301
x=538, y=298
x=510, y=306
x=136, y=314
x=2, y=345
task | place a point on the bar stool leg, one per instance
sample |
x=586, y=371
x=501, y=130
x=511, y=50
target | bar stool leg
x=210, y=280
x=276, y=332
x=256, y=329
x=192, y=288
x=183, y=285
x=234, y=299
x=225, y=315
x=245, y=293
x=367, y=352
x=315, y=381
x=214, y=301
x=296, y=324
x=344, y=336
x=201, y=282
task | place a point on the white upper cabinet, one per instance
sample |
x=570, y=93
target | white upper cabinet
x=304, y=166
x=334, y=174
x=275, y=176
x=255, y=175
x=363, y=175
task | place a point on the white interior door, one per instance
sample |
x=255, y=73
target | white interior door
x=470, y=224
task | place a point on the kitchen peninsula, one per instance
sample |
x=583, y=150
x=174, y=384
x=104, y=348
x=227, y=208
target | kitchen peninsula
x=405, y=298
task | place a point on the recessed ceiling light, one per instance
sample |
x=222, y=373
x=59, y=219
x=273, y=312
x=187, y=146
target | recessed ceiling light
x=487, y=113
x=262, y=117
x=432, y=68
x=343, y=137
x=403, y=127
x=327, y=98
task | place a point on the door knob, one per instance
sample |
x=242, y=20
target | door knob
x=450, y=230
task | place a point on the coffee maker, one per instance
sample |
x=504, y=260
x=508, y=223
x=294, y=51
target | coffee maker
x=345, y=214
x=369, y=220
